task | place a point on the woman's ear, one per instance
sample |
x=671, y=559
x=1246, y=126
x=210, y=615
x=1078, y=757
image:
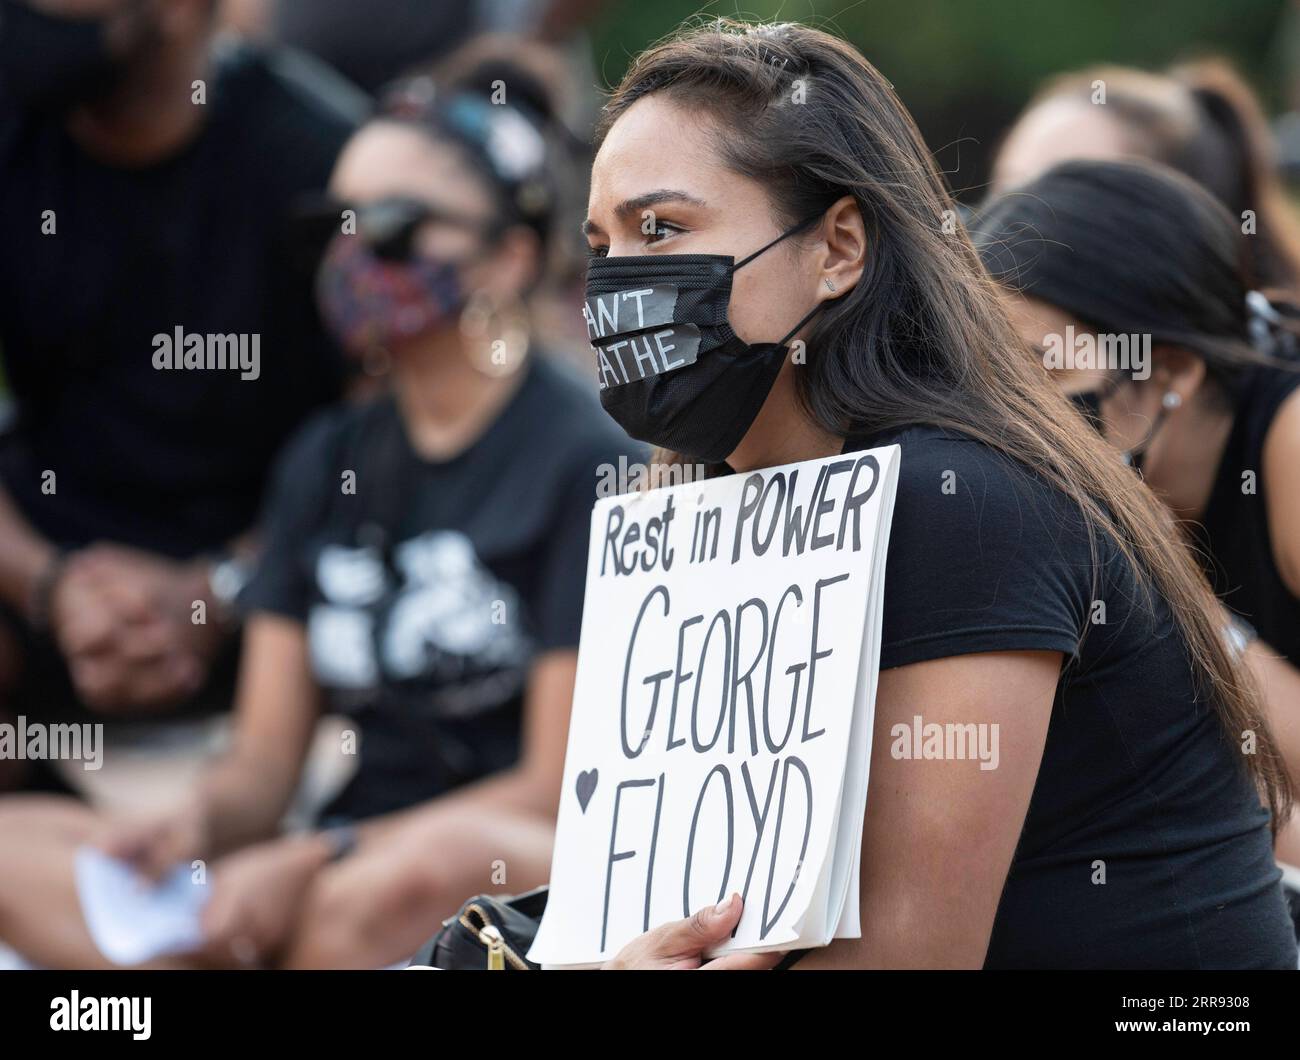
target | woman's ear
x=845, y=235
x=1178, y=370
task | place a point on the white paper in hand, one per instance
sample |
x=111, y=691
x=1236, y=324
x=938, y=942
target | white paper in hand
x=132, y=919
x=720, y=738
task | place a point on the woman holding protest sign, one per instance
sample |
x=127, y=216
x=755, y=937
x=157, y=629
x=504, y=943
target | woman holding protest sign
x=769, y=178
x=1100, y=256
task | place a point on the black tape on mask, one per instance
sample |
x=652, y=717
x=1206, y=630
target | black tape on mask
x=651, y=343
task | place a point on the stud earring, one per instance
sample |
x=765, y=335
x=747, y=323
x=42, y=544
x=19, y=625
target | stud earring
x=1172, y=399
x=829, y=286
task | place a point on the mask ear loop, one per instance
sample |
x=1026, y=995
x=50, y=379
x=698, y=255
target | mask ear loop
x=807, y=317
x=807, y=222
x=1135, y=456
x=801, y=226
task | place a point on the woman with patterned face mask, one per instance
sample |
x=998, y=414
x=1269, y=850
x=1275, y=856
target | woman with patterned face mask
x=1132, y=284
x=423, y=576
x=794, y=201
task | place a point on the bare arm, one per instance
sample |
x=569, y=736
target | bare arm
x=1281, y=471
x=939, y=836
x=24, y=555
x=247, y=790
x=1280, y=683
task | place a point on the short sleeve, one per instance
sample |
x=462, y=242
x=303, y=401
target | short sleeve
x=295, y=506
x=982, y=557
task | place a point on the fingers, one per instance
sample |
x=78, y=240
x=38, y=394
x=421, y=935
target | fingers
x=171, y=847
x=682, y=943
x=127, y=839
x=130, y=599
x=153, y=846
x=710, y=925
x=699, y=932
x=111, y=681
x=82, y=619
x=122, y=650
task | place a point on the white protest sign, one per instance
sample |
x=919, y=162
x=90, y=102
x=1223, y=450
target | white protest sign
x=721, y=726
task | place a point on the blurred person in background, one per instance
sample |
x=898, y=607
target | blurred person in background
x=372, y=43
x=1200, y=118
x=1126, y=253
x=487, y=63
x=423, y=574
x=147, y=175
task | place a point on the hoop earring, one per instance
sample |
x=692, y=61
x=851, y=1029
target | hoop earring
x=376, y=362
x=497, y=338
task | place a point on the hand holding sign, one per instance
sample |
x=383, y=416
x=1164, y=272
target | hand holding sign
x=724, y=699
x=681, y=945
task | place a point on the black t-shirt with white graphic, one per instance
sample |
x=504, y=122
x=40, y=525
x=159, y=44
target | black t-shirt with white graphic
x=428, y=590
x=1138, y=785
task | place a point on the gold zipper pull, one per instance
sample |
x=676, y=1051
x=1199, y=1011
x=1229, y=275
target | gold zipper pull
x=496, y=948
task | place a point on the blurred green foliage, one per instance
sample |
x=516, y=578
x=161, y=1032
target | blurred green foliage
x=966, y=67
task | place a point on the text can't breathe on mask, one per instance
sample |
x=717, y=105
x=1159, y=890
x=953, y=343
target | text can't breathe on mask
x=671, y=370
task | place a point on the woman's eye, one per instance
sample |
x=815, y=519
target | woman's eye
x=661, y=231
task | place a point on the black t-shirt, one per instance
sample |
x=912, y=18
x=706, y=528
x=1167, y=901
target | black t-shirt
x=984, y=556
x=427, y=592
x=169, y=460
x=1233, y=536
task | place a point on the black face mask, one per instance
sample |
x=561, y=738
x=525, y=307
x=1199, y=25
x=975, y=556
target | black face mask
x=50, y=63
x=671, y=370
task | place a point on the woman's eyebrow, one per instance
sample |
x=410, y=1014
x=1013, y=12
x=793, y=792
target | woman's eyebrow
x=655, y=198
x=634, y=206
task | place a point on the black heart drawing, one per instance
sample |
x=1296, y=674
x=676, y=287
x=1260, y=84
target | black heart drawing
x=586, y=785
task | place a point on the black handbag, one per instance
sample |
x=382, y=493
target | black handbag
x=487, y=934
x=494, y=934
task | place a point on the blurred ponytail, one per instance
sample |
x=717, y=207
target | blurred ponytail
x=1233, y=155
x=1202, y=119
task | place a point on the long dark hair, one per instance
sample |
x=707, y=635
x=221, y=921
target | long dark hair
x=1202, y=119
x=1134, y=247
x=923, y=338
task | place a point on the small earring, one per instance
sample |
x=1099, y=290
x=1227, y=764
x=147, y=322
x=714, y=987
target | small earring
x=829, y=286
x=1172, y=399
